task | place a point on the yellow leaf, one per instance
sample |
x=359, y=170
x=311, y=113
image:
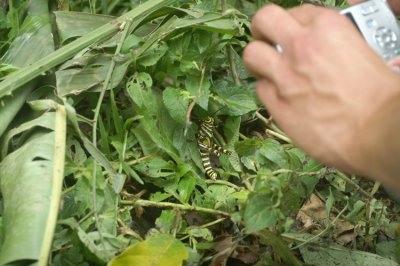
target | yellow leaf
x=159, y=250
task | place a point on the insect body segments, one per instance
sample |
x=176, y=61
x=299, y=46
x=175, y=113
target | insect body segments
x=207, y=146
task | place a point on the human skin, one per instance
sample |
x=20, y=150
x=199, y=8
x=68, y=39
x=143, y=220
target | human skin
x=332, y=94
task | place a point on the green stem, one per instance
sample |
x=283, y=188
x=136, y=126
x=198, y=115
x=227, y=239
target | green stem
x=144, y=158
x=268, y=122
x=288, y=171
x=325, y=230
x=148, y=203
x=353, y=184
x=26, y=74
x=242, y=136
x=223, y=182
x=95, y=120
x=212, y=223
x=232, y=65
x=278, y=135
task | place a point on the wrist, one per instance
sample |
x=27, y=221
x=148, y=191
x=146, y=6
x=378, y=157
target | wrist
x=377, y=143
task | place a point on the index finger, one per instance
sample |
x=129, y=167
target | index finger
x=275, y=25
x=305, y=14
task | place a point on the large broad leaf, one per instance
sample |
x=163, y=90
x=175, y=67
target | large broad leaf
x=262, y=208
x=260, y=211
x=35, y=36
x=176, y=101
x=328, y=256
x=161, y=250
x=76, y=24
x=91, y=74
x=279, y=247
x=236, y=100
x=31, y=181
x=14, y=80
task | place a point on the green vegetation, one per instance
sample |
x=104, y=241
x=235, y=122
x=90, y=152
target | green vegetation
x=121, y=89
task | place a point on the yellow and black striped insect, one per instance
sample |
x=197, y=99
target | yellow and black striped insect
x=207, y=146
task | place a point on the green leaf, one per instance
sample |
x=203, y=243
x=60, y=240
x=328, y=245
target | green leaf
x=91, y=77
x=334, y=255
x=47, y=121
x=158, y=196
x=203, y=40
x=389, y=249
x=204, y=233
x=274, y=152
x=176, y=101
x=26, y=74
x=279, y=247
x=185, y=188
x=262, y=209
x=162, y=250
x=192, y=84
x=146, y=143
x=248, y=146
x=328, y=205
x=131, y=42
x=167, y=221
x=76, y=24
x=238, y=100
x=138, y=86
x=35, y=35
x=156, y=167
x=35, y=167
x=152, y=55
x=260, y=212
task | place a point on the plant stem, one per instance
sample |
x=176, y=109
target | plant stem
x=144, y=158
x=268, y=122
x=193, y=103
x=128, y=230
x=352, y=183
x=287, y=171
x=223, y=182
x=242, y=136
x=26, y=74
x=278, y=135
x=212, y=223
x=148, y=203
x=96, y=116
x=223, y=6
x=329, y=226
x=232, y=65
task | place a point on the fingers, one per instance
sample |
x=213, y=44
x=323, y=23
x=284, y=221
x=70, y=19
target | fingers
x=273, y=24
x=395, y=64
x=354, y=2
x=304, y=14
x=277, y=106
x=395, y=5
x=263, y=60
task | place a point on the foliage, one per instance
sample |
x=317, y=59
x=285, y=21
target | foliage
x=125, y=104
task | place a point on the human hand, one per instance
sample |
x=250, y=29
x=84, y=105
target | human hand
x=332, y=94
